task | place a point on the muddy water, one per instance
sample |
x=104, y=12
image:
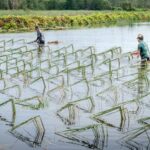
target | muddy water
x=48, y=100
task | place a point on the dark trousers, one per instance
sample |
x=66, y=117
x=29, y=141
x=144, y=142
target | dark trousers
x=145, y=59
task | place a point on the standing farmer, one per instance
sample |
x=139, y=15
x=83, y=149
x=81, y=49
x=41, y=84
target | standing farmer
x=143, y=49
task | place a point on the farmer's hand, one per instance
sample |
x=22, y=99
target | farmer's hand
x=136, y=53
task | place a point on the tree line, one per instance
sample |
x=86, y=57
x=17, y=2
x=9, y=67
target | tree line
x=74, y=4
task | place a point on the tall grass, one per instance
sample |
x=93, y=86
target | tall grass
x=67, y=19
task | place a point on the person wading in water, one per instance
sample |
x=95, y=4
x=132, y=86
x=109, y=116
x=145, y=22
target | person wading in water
x=143, y=50
x=40, y=37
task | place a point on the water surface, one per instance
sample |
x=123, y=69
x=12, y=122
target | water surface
x=88, y=107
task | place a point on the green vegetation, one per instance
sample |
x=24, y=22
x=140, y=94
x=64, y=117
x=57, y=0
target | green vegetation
x=93, y=19
x=45, y=12
x=74, y=4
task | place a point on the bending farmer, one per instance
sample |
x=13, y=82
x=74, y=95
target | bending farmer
x=40, y=37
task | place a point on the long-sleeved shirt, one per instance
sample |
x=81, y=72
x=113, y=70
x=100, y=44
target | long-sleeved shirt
x=40, y=37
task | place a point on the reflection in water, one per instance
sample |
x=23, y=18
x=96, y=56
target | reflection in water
x=143, y=81
x=40, y=50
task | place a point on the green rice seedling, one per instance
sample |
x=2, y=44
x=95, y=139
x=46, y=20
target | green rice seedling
x=116, y=50
x=88, y=51
x=137, y=138
x=21, y=63
x=3, y=58
x=68, y=113
x=21, y=68
x=10, y=102
x=105, y=66
x=128, y=55
x=34, y=103
x=145, y=120
x=123, y=60
x=100, y=82
x=56, y=80
x=29, y=70
x=55, y=87
x=115, y=63
x=20, y=40
x=77, y=54
x=10, y=41
x=45, y=64
x=114, y=95
x=13, y=70
x=13, y=50
x=100, y=73
x=15, y=56
x=109, y=54
x=2, y=84
x=1, y=74
x=53, y=70
x=80, y=89
x=70, y=58
x=69, y=116
x=2, y=43
x=123, y=72
x=121, y=117
x=30, y=138
x=75, y=64
x=70, y=48
x=57, y=93
x=80, y=104
x=34, y=85
x=128, y=73
x=75, y=74
x=60, y=62
x=87, y=71
x=80, y=54
x=87, y=60
x=10, y=65
x=12, y=91
x=92, y=136
x=28, y=55
x=139, y=84
x=65, y=50
x=101, y=57
x=12, y=62
x=93, y=59
x=2, y=49
x=19, y=49
x=122, y=107
x=4, y=66
x=58, y=53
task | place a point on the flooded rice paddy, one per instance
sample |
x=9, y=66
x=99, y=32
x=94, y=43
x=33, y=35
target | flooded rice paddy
x=65, y=97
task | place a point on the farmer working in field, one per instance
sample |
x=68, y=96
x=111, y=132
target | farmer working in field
x=40, y=37
x=143, y=50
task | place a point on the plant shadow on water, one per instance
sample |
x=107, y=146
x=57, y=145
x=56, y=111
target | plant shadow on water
x=79, y=98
